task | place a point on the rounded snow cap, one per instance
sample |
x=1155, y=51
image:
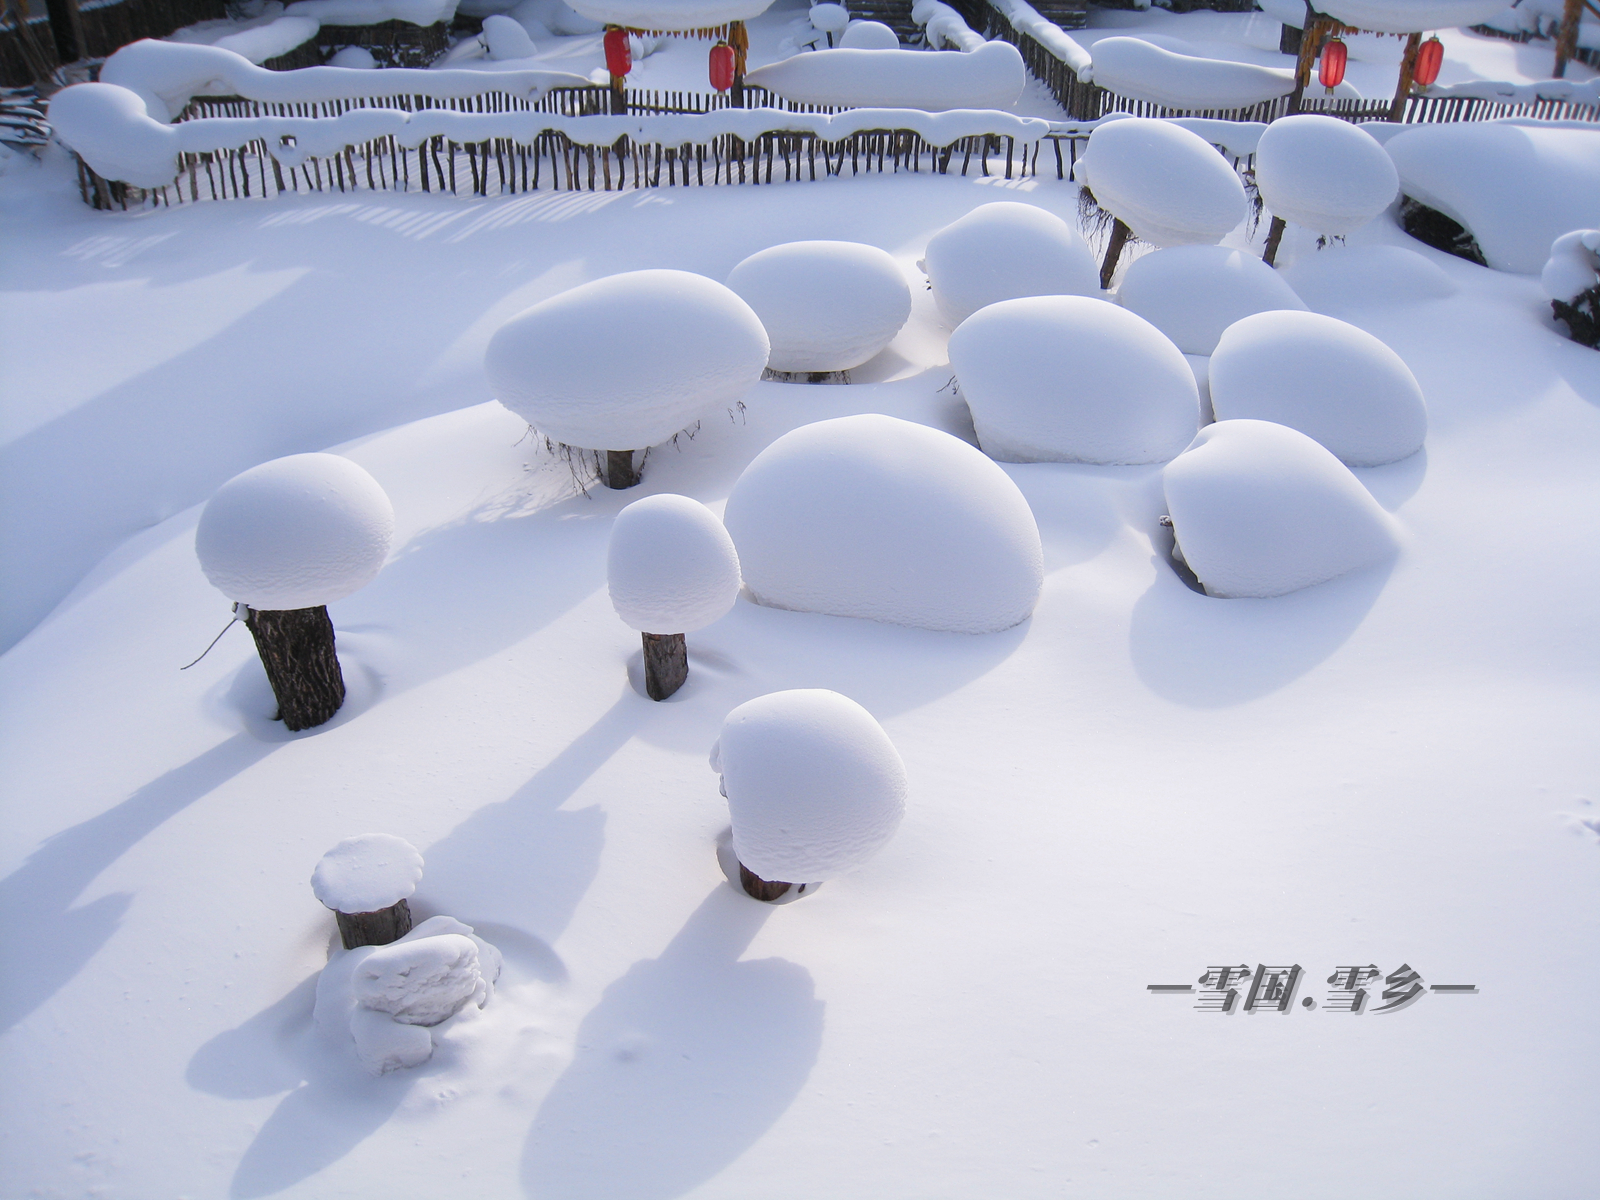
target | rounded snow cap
x=1330, y=380
x=671, y=565
x=1166, y=184
x=826, y=306
x=1003, y=250
x=1069, y=379
x=296, y=532
x=367, y=873
x=869, y=35
x=830, y=18
x=815, y=787
x=1193, y=293
x=1261, y=510
x=1326, y=174
x=871, y=516
x=627, y=361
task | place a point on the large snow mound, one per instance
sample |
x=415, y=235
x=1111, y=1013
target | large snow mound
x=1260, y=509
x=1515, y=185
x=1330, y=380
x=826, y=306
x=1323, y=173
x=1343, y=276
x=627, y=361
x=1070, y=379
x=671, y=565
x=1166, y=184
x=1412, y=16
x=1573, y=266
x=1134, y=67
x=871, y=516
x=366, y=873
x=296, y=532
x=1193, y=293
x=991, y=76
x=669, y=14
x=814, y=785
x=1004, y=250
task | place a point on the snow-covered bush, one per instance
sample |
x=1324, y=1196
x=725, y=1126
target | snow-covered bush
x=826, y=306
x=1069, y=379
x=1571, y=278
x=871, y=516
x=1164, y=183
x=1260, y=509
x=991, y=76
x=1333, y=382
x=1323, y=173
x=814, y=786
x=869, y=35
x=1193, y=293
x=506, y=39
x=367, y=880
x=1003, y=250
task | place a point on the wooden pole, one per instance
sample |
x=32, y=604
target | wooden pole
x=66, y=24
x=666, y=663
x=297, y=649
x=1119, y=237
x=1311, y=39
x=739, y=39
x=758, y=888
x=1567, y=39
x=620, y=473
x=1408, y=70
x=1274, y=236
x=374, y=928
x=619, y=96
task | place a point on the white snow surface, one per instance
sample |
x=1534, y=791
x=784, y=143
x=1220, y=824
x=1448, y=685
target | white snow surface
x=992, y=76
x=628, y=361
x=270, y=40
x=1516, y=185
x=1332, y=381
x=669, y=14
x=366, y=873
x=1259, y=509
x=1138, y=68
x=1003, y=250
x=507, y=39
x=814, y=785
x=1162, y=181
x=420, y=982
x=1412, y=16
x=670, y=565
x=869, y=35
x=1070, y=379
x=373, y=12
x=1345, y=278
x=1573, y=266
x=1193, y=293
x=826, y=306
x=296, y=532
x=871, y=516
x=1324, y=173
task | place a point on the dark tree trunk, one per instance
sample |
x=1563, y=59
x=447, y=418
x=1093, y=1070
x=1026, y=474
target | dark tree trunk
x=1119, y=238
x=767, y=890
x=1274, y=236
x=666, y=663
x=620, y=472
x=1408, y=70
x=375, y=928
x=296, y=647
x=66, y=25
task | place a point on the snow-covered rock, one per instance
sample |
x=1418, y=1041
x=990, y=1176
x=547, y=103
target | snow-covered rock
x=1330, y=380
x=869, y=35
x=991, y=76
x=826, y=306
x=627, y=361
x=1411, y=16
x=420, y=982
x=814, y=785
x=296, y=532
x=1573, y=266
x=670, y=14
x=354, y=58
x=1343, y=276
x=1193, y=293
x=384, y=1044
x=1260, y=509
x=366, y=873
x=871, y=516
x=671, y=565
x=1070, y=379
x=1135, y=67
x=1515, y=185
x=1004, y=250
x=1323, y=173
x=507, y=39
x=1163, y=182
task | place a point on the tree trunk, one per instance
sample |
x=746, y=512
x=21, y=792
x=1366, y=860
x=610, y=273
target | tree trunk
x=296, y=647
x=1408, y=70
x=766, y=890
x=1119, y=238
x=739, y=39
x=66, y=25
x=1274, y=236
x=666, y=663
x=620, y=472
x=375, y=928
x=1567, y=37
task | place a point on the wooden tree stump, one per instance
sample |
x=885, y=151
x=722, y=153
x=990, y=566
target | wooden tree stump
x=375, y=928
x=1119, y=238
x=620, y=473
x=296, y=648
x=666, y=664
x=766, y=890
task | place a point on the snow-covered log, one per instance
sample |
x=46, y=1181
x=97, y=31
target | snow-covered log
x=944, y=26
x=1024, y=18
x=992, y=76
x=1141, y=70
x=367, y=881
x=1324, y=174
x=1003, y=250
x=1193, y=293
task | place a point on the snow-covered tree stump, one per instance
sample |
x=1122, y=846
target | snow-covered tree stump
x=666, y=663
x=297, y=649
x=366, y=881
x=1119, y=239
x=766, y=890
x=374, y=928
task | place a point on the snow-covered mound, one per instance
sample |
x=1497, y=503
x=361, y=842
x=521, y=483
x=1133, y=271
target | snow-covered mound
x=1134, y=67
x=356, y=58
x=1070, y=379
x=1260, y=509
x=826, y=306
x=869, y=35
x=1515, y=185
x=1573, y=266
x=1323, y=173
x=1004, y=250
x=871, y=516
x=506, y=39
x=1193, y=293
x=1341, y=276
x=1411, y=16
x=669, y=14
x=991, y=76
x=671, y=565
x=1330, y=380
x=421, y=982
x=627, y=361
x=814, y=785
x=366, y=873
x=1166, y=184
x=296, y=532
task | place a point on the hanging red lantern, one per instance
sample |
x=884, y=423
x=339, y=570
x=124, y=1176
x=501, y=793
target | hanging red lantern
x=722, y=66
x=1330, y=72
x=619, y=56
x=1430, y=57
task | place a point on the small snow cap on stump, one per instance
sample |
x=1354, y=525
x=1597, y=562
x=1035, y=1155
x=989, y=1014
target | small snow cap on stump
x=1193, y=293
x=1169, y=186
x=1004, y=250
x=671, y=565
x=814, y=785
x=1327, y=175
x=830, y=18
x=367, y=881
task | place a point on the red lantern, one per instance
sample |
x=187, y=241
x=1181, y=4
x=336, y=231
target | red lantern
x=722, y=66
x=1430, y=56
x=1330, y=72
x=619, y=56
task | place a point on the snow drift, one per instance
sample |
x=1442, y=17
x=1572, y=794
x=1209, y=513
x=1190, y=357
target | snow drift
x=1131, y=66
x=670, y=565
x=1163, y=182
x=1193, y=293
x=1004, y=250
x=1341, y=276
x=1323, y=173
x=991, y=76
